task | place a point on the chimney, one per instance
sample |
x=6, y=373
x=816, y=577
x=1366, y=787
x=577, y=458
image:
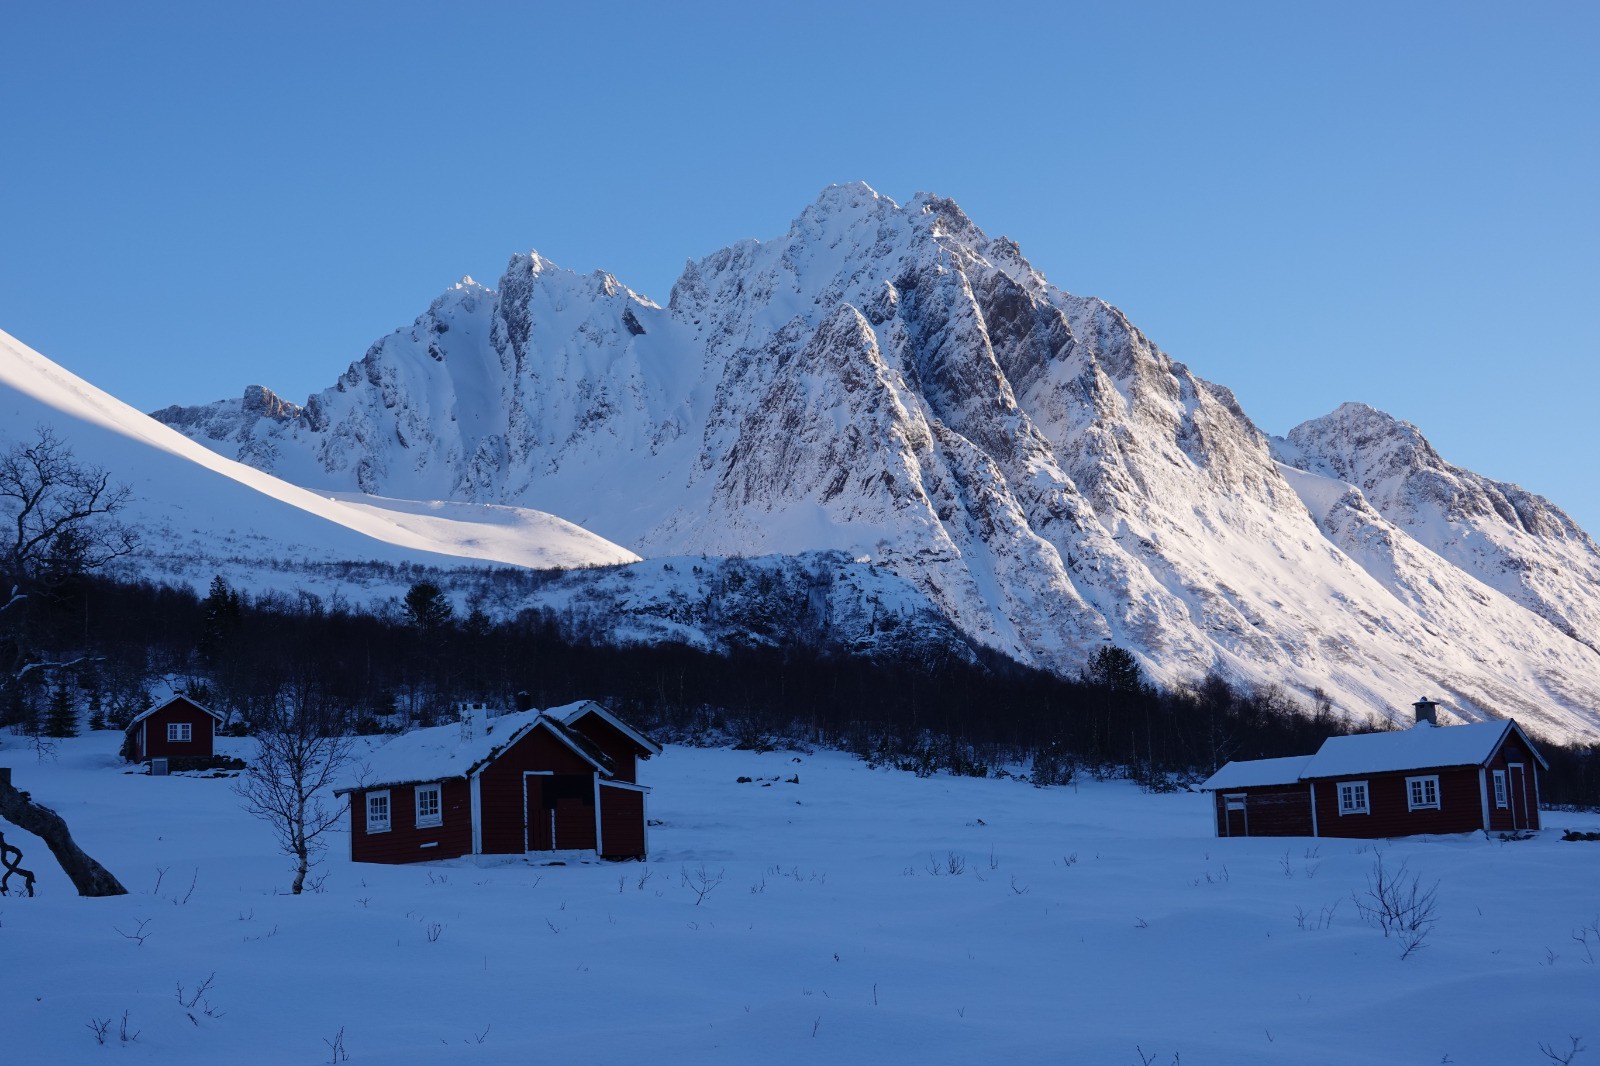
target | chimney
x=1427, y=711
x=524, y=701
x=474, y=721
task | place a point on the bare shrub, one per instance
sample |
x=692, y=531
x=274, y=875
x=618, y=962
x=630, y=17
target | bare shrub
x=1563, y=1057
x=138, y=936
x=197, y=999
x=1397, y=903
x=701, y=882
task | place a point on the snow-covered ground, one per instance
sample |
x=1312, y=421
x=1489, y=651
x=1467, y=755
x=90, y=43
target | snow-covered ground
x=1086, y=923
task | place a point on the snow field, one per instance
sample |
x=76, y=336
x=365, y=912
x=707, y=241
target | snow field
x=1083, y=923
x=199, y=513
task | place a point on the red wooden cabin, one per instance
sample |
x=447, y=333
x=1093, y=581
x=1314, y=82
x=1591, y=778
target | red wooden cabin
x=177, y=728
x=1426, y=779
x=526, y=782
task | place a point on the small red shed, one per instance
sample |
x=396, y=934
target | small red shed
x=1426, y=779
x=512, y=784
x=178, y=728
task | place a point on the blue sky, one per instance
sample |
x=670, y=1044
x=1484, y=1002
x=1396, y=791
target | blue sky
x=1388, y=203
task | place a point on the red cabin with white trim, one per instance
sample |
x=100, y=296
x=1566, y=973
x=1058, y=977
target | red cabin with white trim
x=177, y=728
x=1427, y=779
x=513, y=784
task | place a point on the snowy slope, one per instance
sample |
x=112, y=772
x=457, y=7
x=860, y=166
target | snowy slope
x=1083, y=924
x=198, y=513
x=890, y=382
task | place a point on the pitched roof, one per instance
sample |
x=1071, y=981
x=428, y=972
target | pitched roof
x=580, y=743
x=1250, y=772
x=1421, y=747
x=571, y=713
x=168, y=703
x=438, y=752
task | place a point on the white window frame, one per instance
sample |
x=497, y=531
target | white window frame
x=377, y=823
x=179, y=733
x=1347, y=803
x=1421, y=785
x=1502, y=790
x=436, y=792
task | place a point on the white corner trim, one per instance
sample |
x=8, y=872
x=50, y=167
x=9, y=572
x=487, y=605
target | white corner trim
x=599, y=840
x=475, y=787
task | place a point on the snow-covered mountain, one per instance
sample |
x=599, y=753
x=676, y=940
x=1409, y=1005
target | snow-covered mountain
x=200, y=514
x=890, y=382
x=1508, y=538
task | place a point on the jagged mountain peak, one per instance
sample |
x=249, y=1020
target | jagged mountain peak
x=1510, y=539
x=841, y=205
x=1395, y=465
x=890, y=382
x=1356, y=440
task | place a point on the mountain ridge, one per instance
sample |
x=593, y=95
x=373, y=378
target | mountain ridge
x=888, y=381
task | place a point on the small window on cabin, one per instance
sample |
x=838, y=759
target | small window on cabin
x=429, y=810
x=179, y=732
x=1422, y=793
x=378, y=812
x=1500, y=797
x=1353, y=797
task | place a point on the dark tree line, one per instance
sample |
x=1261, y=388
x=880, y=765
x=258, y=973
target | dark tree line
x=364, y=671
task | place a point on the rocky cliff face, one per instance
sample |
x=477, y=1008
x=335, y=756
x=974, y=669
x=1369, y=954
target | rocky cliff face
x=888, y=381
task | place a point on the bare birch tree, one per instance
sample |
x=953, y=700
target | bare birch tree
x=289, y=782
x=57, y=520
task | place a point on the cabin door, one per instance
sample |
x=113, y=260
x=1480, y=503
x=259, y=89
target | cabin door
x=540, y=823
x=1519, y=796
x=1236, y=819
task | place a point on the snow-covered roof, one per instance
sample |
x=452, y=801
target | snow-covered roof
x=1417, y=748
x=164, y=704
x=574, y=711
x=439, y=752
x=1254, y=772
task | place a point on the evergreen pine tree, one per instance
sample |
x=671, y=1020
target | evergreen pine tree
x=62, y=717
x=426, y=606
x=95, y=697
x=222, y=619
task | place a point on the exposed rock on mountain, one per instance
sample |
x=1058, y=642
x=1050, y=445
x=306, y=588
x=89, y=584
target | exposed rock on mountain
x=819, y=599
x=890, y=382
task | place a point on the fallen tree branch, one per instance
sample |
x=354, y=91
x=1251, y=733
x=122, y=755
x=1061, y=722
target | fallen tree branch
x=88, y=876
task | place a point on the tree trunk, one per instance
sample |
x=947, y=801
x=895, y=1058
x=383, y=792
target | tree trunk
x=88, y=876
